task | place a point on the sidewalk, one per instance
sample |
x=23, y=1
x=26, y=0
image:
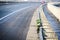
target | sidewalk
x=32, y=33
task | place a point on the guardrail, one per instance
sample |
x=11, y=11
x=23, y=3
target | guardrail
x=41, y=34
x=41, y=29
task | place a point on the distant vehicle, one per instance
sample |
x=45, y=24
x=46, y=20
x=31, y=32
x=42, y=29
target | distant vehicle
x=43, y=1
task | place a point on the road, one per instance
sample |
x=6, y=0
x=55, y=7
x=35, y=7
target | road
x=15, y=20
x=55, y=25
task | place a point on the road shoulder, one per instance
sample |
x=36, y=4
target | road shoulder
x=32, y=33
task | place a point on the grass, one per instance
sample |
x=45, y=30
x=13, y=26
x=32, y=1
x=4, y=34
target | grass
x=38, y=21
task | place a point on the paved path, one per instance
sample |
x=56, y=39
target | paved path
x=48, y=32
x=53, y=21
x=55, y=10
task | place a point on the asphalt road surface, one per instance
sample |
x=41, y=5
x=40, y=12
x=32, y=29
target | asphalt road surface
x=15, y=20
x=55, y=25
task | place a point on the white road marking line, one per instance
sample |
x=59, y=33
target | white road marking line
x=14, y=12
